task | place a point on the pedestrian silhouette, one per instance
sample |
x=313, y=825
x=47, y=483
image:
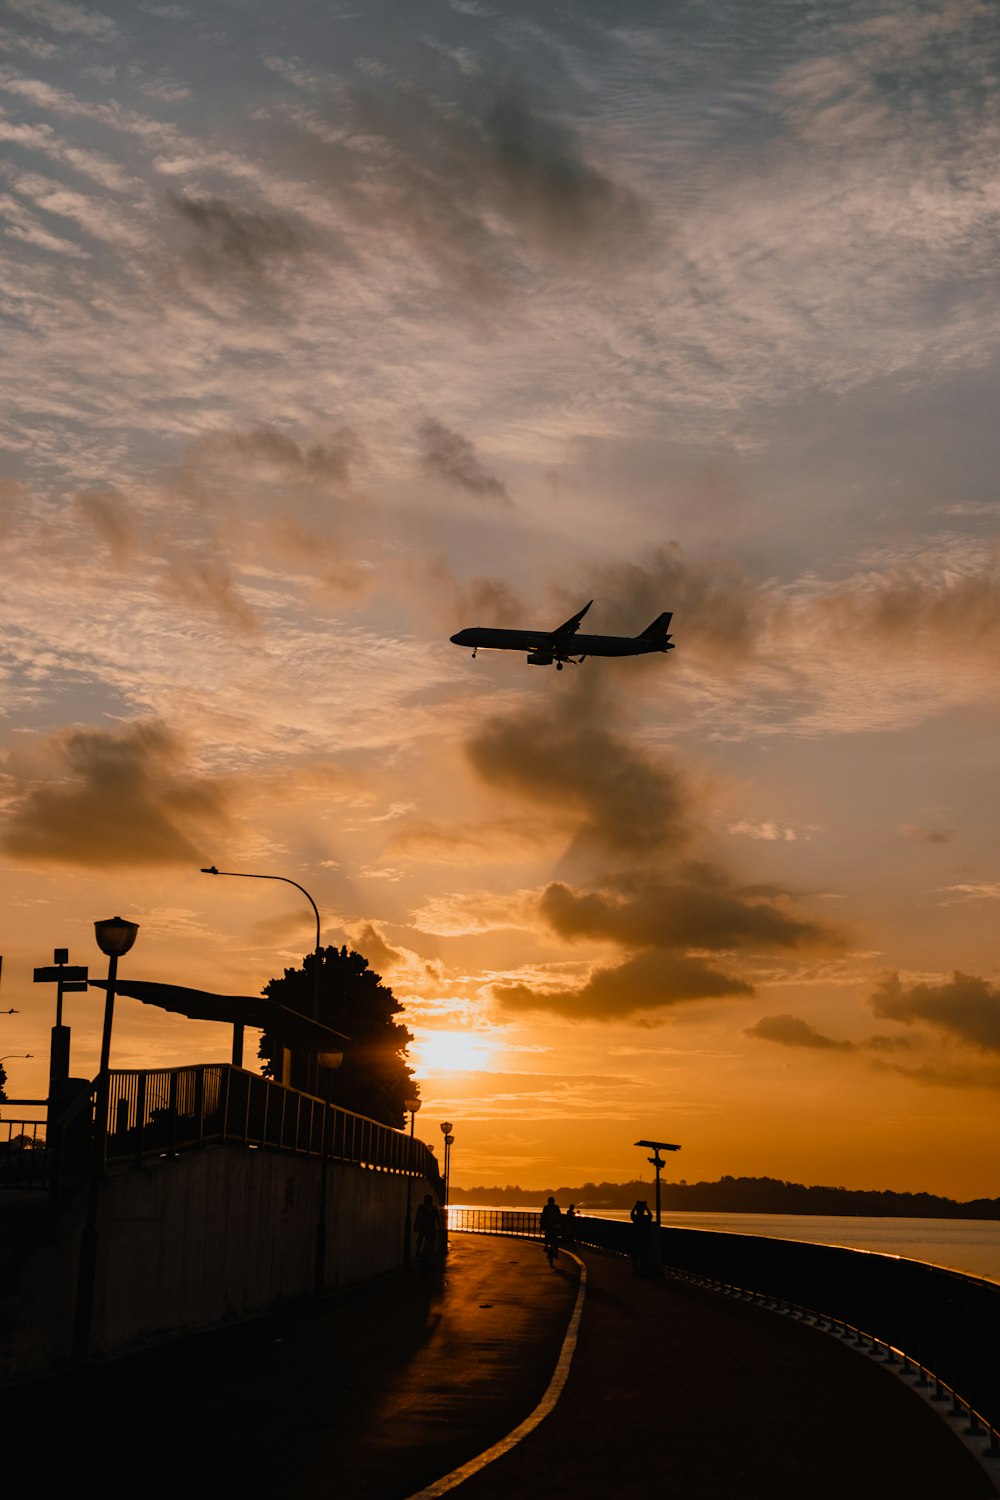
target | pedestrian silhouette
x=427, y=1228
x=642, y=1220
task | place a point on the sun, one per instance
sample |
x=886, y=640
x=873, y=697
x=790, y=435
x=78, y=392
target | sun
x=451, y=1051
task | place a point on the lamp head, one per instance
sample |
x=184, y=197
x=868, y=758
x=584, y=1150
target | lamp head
x=209, y=870
x=411, y=1105
x=115, y=936
x=446, y=1128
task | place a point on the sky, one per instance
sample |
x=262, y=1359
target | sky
x=332, y=329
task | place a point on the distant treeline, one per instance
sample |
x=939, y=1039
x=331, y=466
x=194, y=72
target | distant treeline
x=751, y=1195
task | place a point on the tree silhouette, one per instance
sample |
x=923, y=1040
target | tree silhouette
x=3, y=1084
x=373, y=1078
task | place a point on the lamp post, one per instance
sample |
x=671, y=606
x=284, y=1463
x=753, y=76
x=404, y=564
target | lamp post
x=655, y=1266
x=114, y=937
x=449, y=1141
x=657, y=1163
x=247, y=875
x=412, y=1105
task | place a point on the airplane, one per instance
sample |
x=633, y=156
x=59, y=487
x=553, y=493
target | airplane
x=547, y=646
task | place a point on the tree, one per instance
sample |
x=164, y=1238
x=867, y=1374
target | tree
x=374, y=1078
x=3, y=1084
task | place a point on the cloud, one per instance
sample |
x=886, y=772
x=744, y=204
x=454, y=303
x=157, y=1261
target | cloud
x=566, y=761
x=650, y=911
x=230, y=240
x=272, y=454
x=648, y=982
x=668, y=925
x=61, y=16
x=109, y=513
x=976, y=890
x=112, y=799
x=461, y=913
x=724, y=614
x=792, y=1031
x=200, y=576
x=966, y=1007
x=453, y=458
x=920, y=833
x=483, y=191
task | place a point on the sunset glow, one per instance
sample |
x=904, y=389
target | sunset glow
x=332, y=331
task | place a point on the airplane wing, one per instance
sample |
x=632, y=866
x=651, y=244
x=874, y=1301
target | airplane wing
x=572, y=625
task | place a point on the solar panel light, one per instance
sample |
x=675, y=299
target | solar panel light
x=658, y=1145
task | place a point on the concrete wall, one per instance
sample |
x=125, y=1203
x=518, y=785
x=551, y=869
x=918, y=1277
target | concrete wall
x=206, y=1237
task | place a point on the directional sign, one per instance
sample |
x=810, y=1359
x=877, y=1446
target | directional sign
x=53, y=973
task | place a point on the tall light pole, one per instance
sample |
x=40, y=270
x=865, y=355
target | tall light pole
x=115, y=937
x=246, y=875
x=412, y=1105
x=449, y=1141
x=657, y=1163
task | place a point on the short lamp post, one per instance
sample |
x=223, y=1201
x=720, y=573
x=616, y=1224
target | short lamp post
x=411, y=1106
x=115, y=937
x=657, y=1163
x=449, y=1141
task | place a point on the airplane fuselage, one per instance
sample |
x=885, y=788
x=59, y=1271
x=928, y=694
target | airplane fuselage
x=481, y=637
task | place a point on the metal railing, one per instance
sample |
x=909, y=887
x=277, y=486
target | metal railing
x=162, y=1112
x=520, y=1222
x=942, y=1324
x=23, y=1158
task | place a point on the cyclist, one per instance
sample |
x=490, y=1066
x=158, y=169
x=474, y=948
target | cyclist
x=551, y=1220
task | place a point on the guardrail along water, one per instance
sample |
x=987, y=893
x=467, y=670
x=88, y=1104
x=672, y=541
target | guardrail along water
x=942, y=1323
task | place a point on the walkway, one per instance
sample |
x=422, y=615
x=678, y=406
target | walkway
x=386, y=1388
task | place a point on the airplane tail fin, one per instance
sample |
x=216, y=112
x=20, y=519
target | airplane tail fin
x=659, y=629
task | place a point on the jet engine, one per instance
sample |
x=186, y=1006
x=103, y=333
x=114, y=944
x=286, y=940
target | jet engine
x=540, y=659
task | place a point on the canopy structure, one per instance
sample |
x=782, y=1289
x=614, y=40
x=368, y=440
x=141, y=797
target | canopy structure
x=294, y=1029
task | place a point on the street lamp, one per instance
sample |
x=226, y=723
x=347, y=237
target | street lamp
x=114, y=937
x=412, y=1105
x=449, y=1141
x=246, y=875
x=15, y=1054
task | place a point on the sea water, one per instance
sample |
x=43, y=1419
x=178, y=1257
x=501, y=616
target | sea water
x=968, y=1245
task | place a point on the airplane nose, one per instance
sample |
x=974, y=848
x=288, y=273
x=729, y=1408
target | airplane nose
x=458, y=638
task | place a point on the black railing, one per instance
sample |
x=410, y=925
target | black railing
x=23, y=1158
x=162, y=1112
x=521, y=1222
x=943, y=1324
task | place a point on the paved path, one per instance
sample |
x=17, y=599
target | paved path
x=673, y=1390
x=687, y=1394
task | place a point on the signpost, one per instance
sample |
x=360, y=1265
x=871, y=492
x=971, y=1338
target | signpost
x=67, y=978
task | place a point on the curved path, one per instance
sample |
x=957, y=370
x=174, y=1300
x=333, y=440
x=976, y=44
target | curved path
x=385, y=1389
x=704, y=1397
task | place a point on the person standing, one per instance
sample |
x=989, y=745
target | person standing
x=427, y=1228
x=642, y=1221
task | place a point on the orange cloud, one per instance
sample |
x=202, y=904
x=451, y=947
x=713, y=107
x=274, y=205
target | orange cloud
x=115, y=798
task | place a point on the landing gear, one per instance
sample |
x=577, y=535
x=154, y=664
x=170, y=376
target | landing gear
x=474, y=650
x=559, y=666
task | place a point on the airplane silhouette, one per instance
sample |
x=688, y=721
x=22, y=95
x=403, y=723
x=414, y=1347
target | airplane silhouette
x=547, y=646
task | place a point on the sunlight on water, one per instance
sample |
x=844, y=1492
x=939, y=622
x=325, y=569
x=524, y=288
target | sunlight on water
x=968, y=1245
